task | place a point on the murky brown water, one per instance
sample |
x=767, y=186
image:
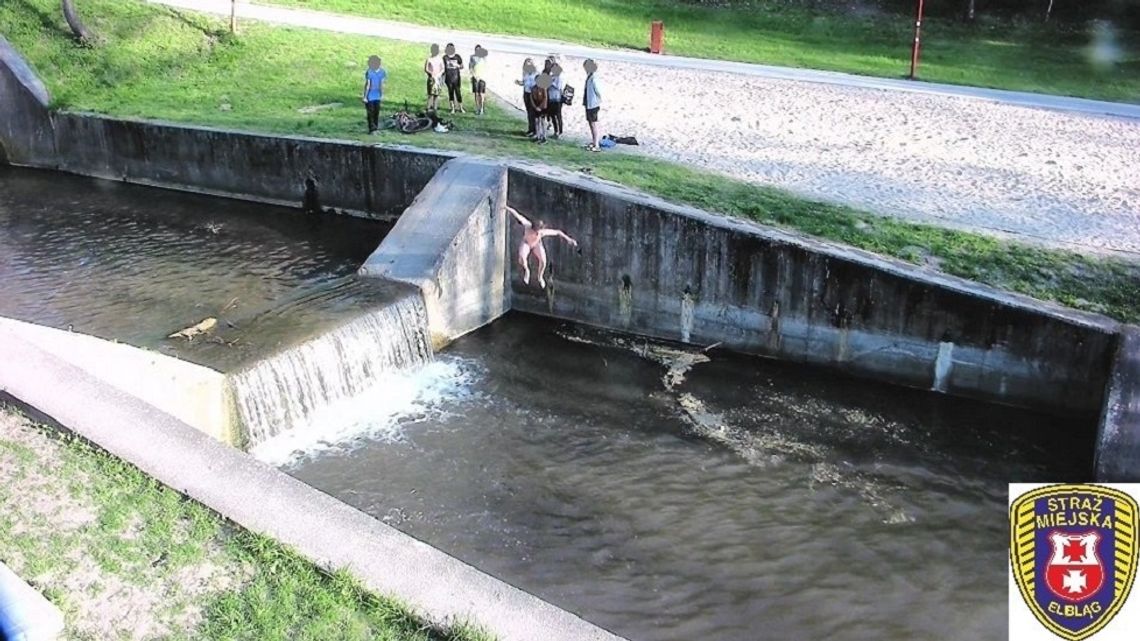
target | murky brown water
x=135, y=264
x=753, y=500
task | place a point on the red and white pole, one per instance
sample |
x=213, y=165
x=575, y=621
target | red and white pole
x=917, y=40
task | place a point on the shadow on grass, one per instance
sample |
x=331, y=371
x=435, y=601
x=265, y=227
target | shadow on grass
x=49, y=24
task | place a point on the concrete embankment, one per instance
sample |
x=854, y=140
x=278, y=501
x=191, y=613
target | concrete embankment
x=451, y=244
x=653, y=268
x=359, y=179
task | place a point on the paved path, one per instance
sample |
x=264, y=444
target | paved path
x=1063, y=171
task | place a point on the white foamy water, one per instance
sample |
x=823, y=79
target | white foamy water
x=288, y=389
x=377, y=414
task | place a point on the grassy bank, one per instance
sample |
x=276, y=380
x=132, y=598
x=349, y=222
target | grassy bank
x=158, y=63
x=1026, y=56
x=126, y=558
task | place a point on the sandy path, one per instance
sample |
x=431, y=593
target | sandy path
x=1069, y=179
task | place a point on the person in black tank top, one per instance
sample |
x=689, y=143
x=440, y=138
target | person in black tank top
x=452, y=69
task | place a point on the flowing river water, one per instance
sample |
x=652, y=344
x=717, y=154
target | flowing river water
x=738, y=498
x=662, y=492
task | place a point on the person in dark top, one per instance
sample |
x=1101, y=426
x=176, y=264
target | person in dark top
x=529, y=73
x=554, y=97
x=452, y=68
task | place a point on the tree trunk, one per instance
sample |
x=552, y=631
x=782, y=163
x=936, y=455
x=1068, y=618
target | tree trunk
x=73, y=21
x=233, y=16
x=1049, y=11
x=970, y=11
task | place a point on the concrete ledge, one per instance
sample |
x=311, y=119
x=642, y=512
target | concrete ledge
x=195, y=395
x=25, y=615
x=329, y=533
x=1118, y=439
x=364, y=180
x=451, y=244
x=26, y=132
x=679, y=273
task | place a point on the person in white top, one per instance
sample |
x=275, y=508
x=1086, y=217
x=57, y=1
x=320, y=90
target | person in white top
x=433, y=67
x=478, y=82
x=592, y=102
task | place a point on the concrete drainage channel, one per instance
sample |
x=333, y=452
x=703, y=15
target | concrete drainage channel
x=690, y=277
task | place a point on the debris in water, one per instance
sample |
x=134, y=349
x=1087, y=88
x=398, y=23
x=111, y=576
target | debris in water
x=201, y=328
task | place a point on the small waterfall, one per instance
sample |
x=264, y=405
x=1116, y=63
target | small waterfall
x=283, y=391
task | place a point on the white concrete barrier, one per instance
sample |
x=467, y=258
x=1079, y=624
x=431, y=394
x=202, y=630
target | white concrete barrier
x=25, y=615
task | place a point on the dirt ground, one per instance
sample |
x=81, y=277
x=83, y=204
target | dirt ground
x=94, y=543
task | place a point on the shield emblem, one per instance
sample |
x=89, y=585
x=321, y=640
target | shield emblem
x=1074, y=572
x=1073, y=551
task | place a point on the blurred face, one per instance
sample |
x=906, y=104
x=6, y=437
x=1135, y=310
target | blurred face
x=450, y=50
x=373, y=62
x=434, y=50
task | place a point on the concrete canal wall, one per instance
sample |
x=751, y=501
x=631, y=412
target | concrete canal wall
x=359, y=179
x=646, y=267
x=649, y=267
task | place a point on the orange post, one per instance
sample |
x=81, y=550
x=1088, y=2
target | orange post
x=657, y=37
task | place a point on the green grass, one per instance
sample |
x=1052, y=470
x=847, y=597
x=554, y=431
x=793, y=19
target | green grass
x=142, y=529
x=1026, y=56
x=156, y=63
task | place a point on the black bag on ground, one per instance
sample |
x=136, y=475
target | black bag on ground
x=568, y=95
x=622, y=140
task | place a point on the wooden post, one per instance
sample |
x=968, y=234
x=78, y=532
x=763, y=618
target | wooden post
x=233, y=16
x=917, y=46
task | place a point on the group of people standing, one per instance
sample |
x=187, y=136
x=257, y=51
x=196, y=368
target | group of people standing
x=447, y=71
x=544, y=94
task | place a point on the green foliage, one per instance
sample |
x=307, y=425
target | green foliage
x=182, y=67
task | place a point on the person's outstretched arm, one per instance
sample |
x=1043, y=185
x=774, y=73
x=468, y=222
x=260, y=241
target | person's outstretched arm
x=519, y=217
x=558, y=232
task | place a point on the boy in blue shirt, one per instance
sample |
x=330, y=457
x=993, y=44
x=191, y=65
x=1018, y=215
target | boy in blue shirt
x=374, y=92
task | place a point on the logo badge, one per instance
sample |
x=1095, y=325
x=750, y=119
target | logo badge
x=1074, y=555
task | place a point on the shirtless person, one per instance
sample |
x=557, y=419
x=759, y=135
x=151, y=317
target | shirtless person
x=532, y=244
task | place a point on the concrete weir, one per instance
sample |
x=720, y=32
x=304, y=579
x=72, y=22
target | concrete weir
x=440, y=588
